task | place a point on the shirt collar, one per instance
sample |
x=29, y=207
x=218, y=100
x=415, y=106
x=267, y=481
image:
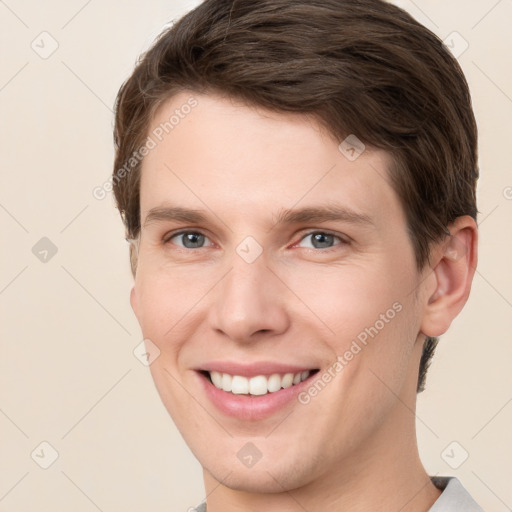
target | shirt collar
x=454, y=497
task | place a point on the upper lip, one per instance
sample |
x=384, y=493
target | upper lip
x=253, y=369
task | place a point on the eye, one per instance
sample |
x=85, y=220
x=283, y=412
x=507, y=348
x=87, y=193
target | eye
x=320, y=240
x=189, y=240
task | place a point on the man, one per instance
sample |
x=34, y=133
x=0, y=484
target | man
x=297, y=181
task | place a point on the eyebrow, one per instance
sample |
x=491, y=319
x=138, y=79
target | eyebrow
x=285, y=216
x=323, y=214
x=176, y=213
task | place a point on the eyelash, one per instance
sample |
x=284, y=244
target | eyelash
x=342, y=241
x=169, y=236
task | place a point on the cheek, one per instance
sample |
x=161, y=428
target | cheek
x=377, y=359
x=161, y=305
x=349, y=299
x=369, y=318
x=165, y=295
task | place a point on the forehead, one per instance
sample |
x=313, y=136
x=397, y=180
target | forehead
x=215, y=153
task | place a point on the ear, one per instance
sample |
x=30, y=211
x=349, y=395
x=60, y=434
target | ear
x=455, y=261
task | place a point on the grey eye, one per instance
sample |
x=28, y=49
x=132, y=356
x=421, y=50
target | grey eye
x=319, y=240
x=189, y=240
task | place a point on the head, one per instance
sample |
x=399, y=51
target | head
x=252, y=124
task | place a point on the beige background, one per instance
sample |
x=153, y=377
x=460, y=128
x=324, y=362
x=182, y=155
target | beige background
x=68, y=375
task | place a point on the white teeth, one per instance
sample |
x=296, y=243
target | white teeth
x=287, y=380
x=274, y=383
x=258, y=385
x=226, y=382
x=239, y=385
x=216, y=379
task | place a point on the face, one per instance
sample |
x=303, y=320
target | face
x=277, y=280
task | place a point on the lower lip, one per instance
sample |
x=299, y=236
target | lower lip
x=252, y=407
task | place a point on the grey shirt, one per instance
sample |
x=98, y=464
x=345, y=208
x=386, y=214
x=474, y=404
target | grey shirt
x=454, y=498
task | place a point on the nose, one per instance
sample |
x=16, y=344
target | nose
x=250, y=303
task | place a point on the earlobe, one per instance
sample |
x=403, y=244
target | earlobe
x=453, y=273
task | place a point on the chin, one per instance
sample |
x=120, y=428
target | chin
x=255, y=481
x=268, y=477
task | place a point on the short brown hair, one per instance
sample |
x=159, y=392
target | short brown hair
x=362, y=67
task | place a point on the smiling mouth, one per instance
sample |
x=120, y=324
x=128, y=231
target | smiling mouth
x=258, y=385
